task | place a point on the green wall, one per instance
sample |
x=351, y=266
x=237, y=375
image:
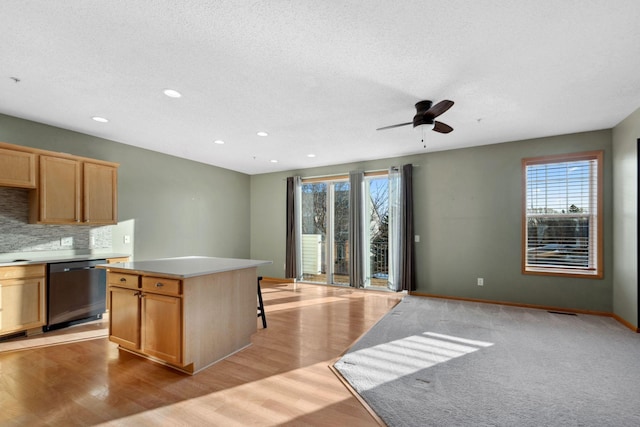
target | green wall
x=625, y=218
x=468, y=215
x=169, y=206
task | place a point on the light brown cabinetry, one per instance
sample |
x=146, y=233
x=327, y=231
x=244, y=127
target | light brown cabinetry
x=66, y=189
x=116, y=260
x=161, y=327
x=123, y=301
x=59, y=191
x=17, y=168
x=188, y=323
x=113, y=261
x=74, y=191
x=146, y=315
x=22, y=298
x=100, y=188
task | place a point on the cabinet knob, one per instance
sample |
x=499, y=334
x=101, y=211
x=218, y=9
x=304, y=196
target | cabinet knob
x=122, y=279
x=159, y=285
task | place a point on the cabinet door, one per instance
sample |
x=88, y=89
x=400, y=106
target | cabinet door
x=124, y=317
x=100, y=194
x=162, y=327
x=17, y=169
x=21, y=304
x=59, y=196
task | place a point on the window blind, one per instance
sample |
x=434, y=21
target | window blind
x=562, y=214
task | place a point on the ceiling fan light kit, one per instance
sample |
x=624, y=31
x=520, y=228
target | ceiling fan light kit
x=426, y=112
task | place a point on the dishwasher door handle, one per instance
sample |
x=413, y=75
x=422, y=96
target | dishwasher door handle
x=77, y=269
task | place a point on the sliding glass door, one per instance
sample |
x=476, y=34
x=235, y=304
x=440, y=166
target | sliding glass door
x=325, y=231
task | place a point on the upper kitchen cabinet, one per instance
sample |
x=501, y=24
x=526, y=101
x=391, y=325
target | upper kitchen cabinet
x=65, y=189
x=74, y=190
x=57, y=200
x=17, y=168
x=100, y=183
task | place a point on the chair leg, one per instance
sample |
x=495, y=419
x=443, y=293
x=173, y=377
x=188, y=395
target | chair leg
x=261, y=305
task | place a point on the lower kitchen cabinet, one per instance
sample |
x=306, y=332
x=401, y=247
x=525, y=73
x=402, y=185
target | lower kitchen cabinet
x=146, y=315
x=124, y=317
x=161, y=327
x=22, y=298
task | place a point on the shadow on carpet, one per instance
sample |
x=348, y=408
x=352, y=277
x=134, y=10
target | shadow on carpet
x=438, y=362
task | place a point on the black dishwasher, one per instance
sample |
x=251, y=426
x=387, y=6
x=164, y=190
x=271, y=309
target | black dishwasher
x=76, y=292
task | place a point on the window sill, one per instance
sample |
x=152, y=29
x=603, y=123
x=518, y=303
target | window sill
x=563, y=272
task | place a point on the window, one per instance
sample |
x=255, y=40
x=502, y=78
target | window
x=562, y=215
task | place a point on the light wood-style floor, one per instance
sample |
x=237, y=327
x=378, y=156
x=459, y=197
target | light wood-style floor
x=281, y=379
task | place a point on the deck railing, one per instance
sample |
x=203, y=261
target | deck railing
x=378, y=257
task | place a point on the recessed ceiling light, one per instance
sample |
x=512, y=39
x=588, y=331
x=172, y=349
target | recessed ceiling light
x=311, y=155
x=274, y=161
x=171, y=93
x=218, y=141
x=262, y=133
x=100, y=119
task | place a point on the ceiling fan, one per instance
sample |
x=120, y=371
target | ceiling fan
x=425, y=115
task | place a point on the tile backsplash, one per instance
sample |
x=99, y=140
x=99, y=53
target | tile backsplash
x=17, y=235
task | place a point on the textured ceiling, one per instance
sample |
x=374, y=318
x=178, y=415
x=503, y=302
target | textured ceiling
x=318, y=76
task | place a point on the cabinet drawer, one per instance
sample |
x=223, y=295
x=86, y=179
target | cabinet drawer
x=115, y=260
x=162, y=285
x=22, y=271
x=124, y=280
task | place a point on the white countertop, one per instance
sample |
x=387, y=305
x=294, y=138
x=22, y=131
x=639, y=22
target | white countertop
x=185, y=267
x=49, y=258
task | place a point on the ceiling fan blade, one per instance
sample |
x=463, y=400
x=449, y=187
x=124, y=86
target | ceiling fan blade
x=441, y=127
x=439, y=108
x=395, y=126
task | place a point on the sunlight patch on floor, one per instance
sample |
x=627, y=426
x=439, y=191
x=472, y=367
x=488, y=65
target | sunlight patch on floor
x=271, y=306
x=226, y=407
x=392, y=360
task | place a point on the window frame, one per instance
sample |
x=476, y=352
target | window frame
x=595, y=271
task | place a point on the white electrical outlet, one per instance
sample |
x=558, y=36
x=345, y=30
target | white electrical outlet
x=126, y=239
x=66, y=241
x=92, y=241
x=417, y=238
x=480, y=281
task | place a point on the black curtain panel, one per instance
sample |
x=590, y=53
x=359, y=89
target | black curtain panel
x=407, y=255
x=291, y=255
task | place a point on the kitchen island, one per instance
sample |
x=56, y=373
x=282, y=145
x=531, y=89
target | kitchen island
x=187, y=313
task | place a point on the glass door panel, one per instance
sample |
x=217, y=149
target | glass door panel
x=377, y=270
x=325, y=232
x=340, y=233
x=314, y=232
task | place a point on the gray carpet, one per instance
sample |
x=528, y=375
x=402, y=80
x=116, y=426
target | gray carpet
x=436, y=362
